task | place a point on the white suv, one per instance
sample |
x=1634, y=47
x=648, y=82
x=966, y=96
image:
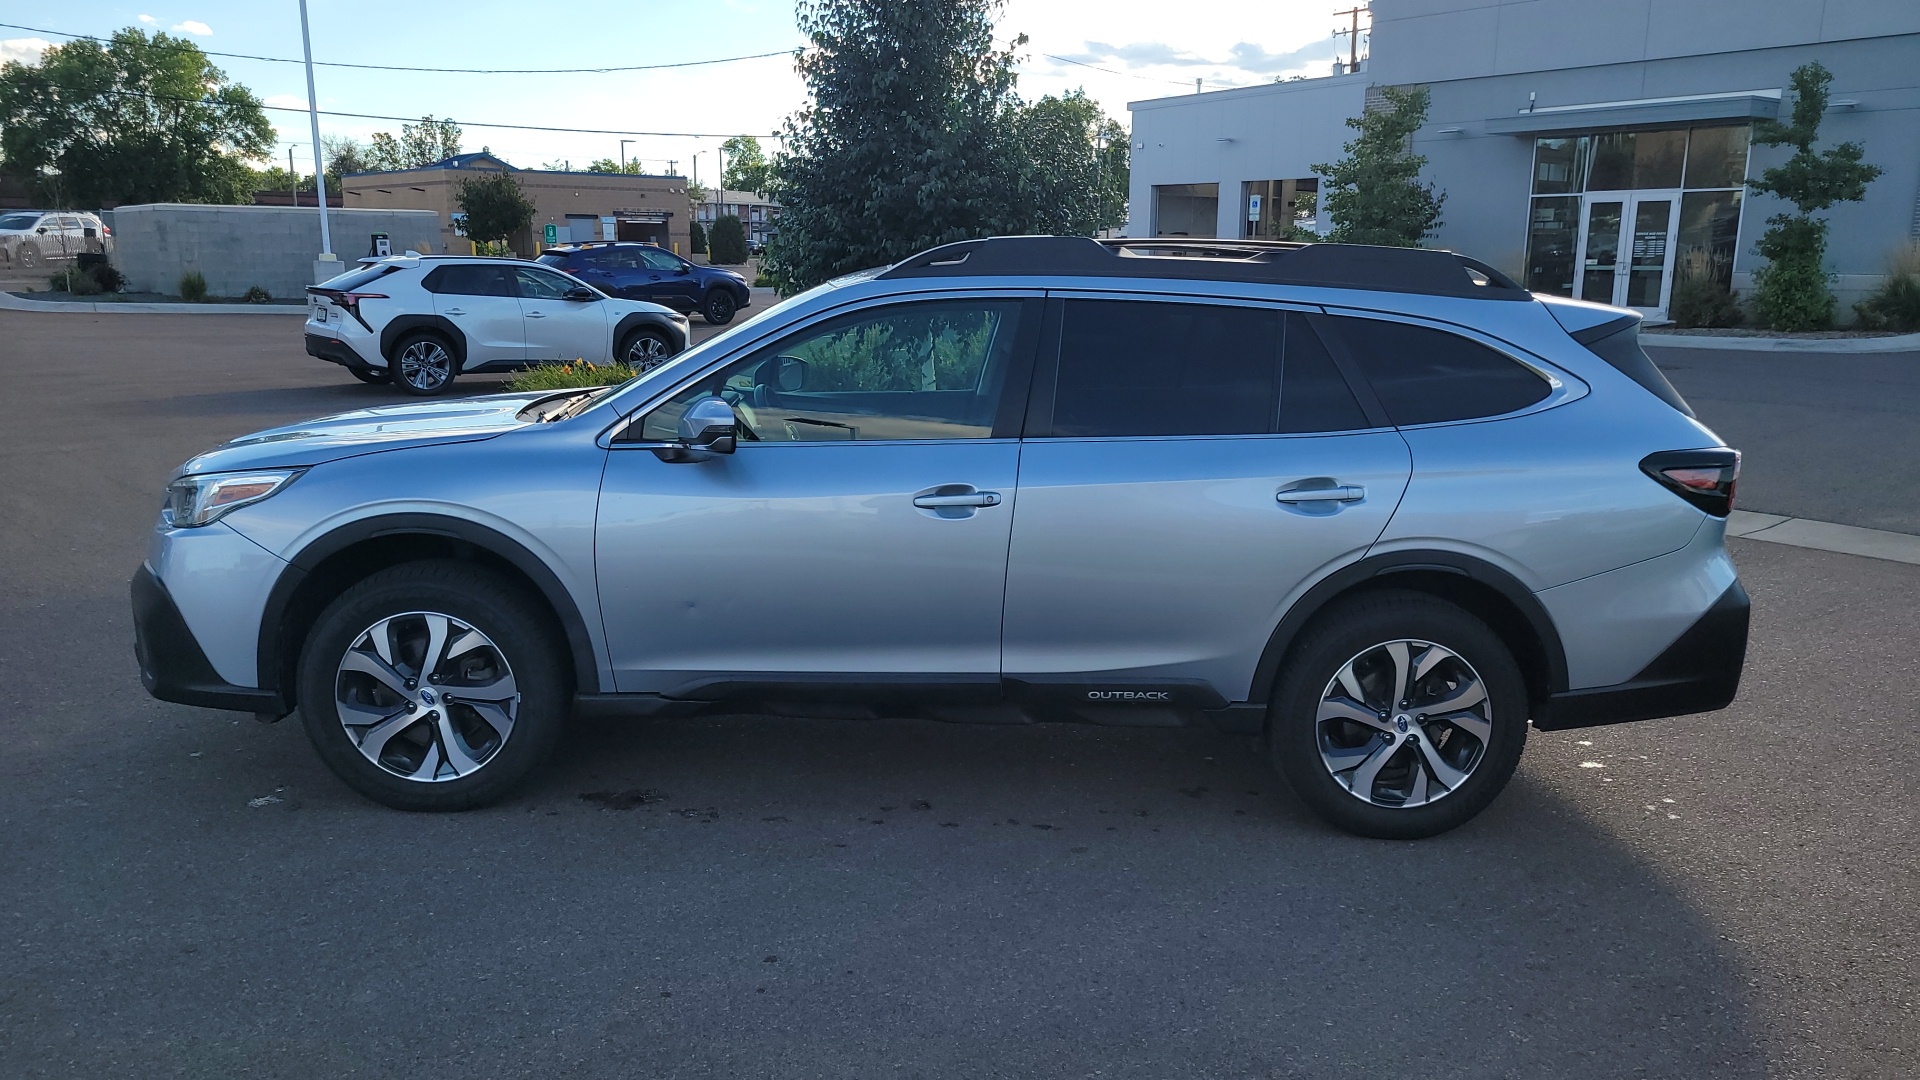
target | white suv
x=32, y=238
x=422, y=320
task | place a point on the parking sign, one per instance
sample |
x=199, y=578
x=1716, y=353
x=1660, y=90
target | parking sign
x=553, y=234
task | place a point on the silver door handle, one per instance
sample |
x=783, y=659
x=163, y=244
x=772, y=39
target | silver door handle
x=456, y=311
x=536, y=314
x=1332, y=494
x=975, y=498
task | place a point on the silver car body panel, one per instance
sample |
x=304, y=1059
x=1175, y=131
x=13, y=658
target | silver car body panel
x=1612, y=624
x=220, y=580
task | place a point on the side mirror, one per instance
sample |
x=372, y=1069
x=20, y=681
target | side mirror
x=708, y=427
x=580, y=294
x=42, y=230
x=790, y=374
x=684, y=270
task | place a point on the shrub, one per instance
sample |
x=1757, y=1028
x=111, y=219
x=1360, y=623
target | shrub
x=1895, y=305
x=59, y=281
x=698, y=242
x=193, y=287
x=763, y=280
x=1702, y=301
x=257, y=295
x=80, y=283
x=727, y=243
x=567, y=376
x=109, y=277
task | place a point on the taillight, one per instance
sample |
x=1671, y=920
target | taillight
x=1704, y=478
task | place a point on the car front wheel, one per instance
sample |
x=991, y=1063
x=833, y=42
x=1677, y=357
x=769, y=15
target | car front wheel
x=1398, y=715
x=422, y=364
x=644, y=350
x=432, y=686
x=719, y=307
x=29, y=256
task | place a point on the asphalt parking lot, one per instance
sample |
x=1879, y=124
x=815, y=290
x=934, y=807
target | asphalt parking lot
x=186, y=893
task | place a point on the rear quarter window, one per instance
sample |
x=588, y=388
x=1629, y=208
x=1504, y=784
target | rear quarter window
x=1427, y=376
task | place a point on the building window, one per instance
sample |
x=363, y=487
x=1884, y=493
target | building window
x=1186, y=209
x=1277, y=209
x=1552, y=231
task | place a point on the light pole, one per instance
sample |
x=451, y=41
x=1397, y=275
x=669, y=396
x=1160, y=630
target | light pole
x=623, y=153
x=313, y=116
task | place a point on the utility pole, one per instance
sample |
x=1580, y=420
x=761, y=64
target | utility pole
x=313, y=115
x=672, y=163
x=1353, y=33
x=294, y=184
x=623, y=154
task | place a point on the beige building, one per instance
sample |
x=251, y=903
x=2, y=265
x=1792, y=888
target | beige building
x=577, y=205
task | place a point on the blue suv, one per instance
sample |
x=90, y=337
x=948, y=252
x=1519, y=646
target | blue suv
x=636, y=271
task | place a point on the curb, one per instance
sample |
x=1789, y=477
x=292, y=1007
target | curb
x=1825, y=536
x=10, y=302
x=1896, y=343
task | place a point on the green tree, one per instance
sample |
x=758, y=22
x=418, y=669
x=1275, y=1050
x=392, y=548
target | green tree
x=1790, y=292
x=746, y=165
x=1375, y=193
x=608, y=165
x=276, y=178
x=131, y=120
x=495, y=206
x=428, y=142
x=727, y=244
x=905, y=140
x=1074, y=166
x=343, y=156
x=697, y=238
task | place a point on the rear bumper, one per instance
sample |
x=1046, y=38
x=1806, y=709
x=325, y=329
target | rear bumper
x=1699, y=672
x=173, y=666
x=335, y=350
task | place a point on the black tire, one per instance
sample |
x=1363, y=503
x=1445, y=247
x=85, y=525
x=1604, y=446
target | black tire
x=423, y=364
x=1359, y=632
x=645, y=349
x=520, y=637
x=719, y=306
x=370, y=375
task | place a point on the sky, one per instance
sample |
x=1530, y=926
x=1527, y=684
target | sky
x=1116, y=50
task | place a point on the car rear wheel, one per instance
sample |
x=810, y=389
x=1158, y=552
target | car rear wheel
x=1398, y=715
x=719, y=306
x=432, y=686
x=644, y=350
x=422, y=364
x=29, y=256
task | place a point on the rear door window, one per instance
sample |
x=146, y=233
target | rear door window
x=1140, y=368
x=1423, y=375
x=470, y=279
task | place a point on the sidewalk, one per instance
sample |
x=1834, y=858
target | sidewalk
x=11, y=302
x=1654, y=339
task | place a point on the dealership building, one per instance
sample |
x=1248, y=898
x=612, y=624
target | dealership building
x=1589, y=148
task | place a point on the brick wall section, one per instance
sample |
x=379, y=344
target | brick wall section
x=236, y=247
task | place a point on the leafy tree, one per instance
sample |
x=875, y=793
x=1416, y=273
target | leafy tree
x=697, y=192
x=905, y=141
x=697, y=238
x=1790, y=292
x=746, y=165
x=727, y=244
x=276, y=178
x=1074, y=168
x=495, y=206
x=343, y=156
x=428, y=142
x=1375, y=193
x=608, y=165
x=133, y=120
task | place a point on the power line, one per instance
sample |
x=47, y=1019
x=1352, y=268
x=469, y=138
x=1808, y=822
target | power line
x=433, y=70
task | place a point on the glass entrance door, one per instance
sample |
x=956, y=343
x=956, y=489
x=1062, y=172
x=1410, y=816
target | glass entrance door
x=1626, y=249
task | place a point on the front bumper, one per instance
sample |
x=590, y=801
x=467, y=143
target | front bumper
x=1699, y=672
x=173, y=667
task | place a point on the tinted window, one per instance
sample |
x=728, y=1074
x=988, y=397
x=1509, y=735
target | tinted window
x=1147, y=368
x=553, y=258
x=1313, y=394
x=908, y=371
x=18, y=221
x=657, y=259
x=1424, y=376
x=540, y=284
x=470, y=279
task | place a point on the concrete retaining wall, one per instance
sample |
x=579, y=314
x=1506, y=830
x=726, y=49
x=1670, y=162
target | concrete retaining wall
x=236, y=247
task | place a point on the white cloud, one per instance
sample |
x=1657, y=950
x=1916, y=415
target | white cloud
x=25, y=50
x=148, y=19
x=193, y=26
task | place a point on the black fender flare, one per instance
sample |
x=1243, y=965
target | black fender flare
x=634, y=320
x=279, y=600
x=1381, y=569
x=402, y=325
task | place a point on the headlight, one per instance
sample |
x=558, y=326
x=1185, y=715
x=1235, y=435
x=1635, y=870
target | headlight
x=193, y=501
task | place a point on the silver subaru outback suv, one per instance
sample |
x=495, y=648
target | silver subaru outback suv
x=1382, y=507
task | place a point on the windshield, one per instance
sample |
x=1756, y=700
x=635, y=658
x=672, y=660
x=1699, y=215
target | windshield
x=353, y=279
x=18, y=221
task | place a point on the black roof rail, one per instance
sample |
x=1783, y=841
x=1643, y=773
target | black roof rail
x=1337, y=266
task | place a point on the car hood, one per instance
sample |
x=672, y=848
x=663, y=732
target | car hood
x=365, y=431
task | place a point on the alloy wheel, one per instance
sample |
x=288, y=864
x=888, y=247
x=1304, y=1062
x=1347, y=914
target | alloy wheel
x=646, y=352
x=1404, y=723
x=426, y=365
x=426, y=697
